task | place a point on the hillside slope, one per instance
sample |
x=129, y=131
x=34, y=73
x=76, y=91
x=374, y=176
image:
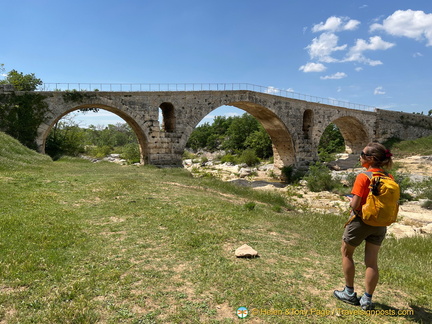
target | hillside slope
x=14, y=155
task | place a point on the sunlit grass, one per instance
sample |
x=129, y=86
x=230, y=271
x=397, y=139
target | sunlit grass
x=85, y=242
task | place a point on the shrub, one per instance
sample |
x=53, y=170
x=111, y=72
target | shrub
x=229, y=158
x=131, y=153
x=99, y=151
x=427, y=204
x=249, y=157
x=404, y=183
x=290, y=175
x=319, y=179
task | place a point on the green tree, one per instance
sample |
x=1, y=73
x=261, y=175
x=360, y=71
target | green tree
x=260, y=142
x=199, y=137
x=238, y=131
x=20, y=81
x=65, y=138
x=331, y=142
x=21, y=115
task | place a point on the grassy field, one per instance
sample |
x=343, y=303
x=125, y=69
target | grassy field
x=102, y=243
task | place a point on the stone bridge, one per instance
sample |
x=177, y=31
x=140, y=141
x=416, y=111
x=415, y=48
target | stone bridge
x=294, y=126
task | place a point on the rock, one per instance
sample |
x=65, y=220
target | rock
x=244, y=172
x=400, y=231
x=245, y=251
x=426, y=229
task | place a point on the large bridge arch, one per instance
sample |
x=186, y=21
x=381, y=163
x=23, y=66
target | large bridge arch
x=283, y=148
x=45, y=128
x=282, y=141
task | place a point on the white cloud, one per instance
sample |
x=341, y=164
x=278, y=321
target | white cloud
x=336, y=76
x=355, y=53
x=323, y=46
x=290, y=90
x=408, y=23
x=379, y=91
x=272, y=90
x=232, y=114
x=334, y=24
x=358, y=69
x=417, y=54
x=312, y=67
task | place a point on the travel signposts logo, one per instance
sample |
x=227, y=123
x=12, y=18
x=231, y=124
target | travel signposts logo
x=242, y=312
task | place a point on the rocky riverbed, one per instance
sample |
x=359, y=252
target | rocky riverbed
x=413, y=219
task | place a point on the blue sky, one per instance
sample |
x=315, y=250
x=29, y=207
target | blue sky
x=376, y=53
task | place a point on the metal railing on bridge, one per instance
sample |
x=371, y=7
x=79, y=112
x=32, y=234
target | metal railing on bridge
x=137, y=87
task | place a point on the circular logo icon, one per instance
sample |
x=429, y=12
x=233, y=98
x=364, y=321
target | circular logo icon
x=242, y=312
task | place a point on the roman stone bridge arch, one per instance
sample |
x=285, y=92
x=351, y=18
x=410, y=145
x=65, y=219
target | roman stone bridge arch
x=295, y=126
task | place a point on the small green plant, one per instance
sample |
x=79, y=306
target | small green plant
x=229, y=158
x=277, y=209
x=404, y=183
x=188, y=155
x=249, y=205
x=427, y=204
x=99, y=151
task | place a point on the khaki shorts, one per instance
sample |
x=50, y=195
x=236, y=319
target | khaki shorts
x=357, y=232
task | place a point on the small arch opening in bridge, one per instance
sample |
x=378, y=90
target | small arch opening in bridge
x=307, y=123
x=331, y=143
x=344, y=135
x=167, y=112
x=96, y=133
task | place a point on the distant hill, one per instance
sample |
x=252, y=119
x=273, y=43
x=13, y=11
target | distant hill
x=14, y=155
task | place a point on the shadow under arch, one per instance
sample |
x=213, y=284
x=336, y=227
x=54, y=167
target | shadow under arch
x=141, y=137
x=283, y=148
x=354, y=133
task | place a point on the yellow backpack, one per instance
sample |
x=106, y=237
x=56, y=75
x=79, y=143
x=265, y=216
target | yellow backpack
x=382, y=203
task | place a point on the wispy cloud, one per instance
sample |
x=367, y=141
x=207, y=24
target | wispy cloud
x=379, y=91
x=312, y=67
x=272, y=90
x=355, y=53
x=335, y=24
x=336, y=76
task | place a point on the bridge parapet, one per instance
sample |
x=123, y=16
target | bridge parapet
x=160, y=87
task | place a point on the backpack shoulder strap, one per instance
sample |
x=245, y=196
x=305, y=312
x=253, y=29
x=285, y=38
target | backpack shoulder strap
x=369, y=174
